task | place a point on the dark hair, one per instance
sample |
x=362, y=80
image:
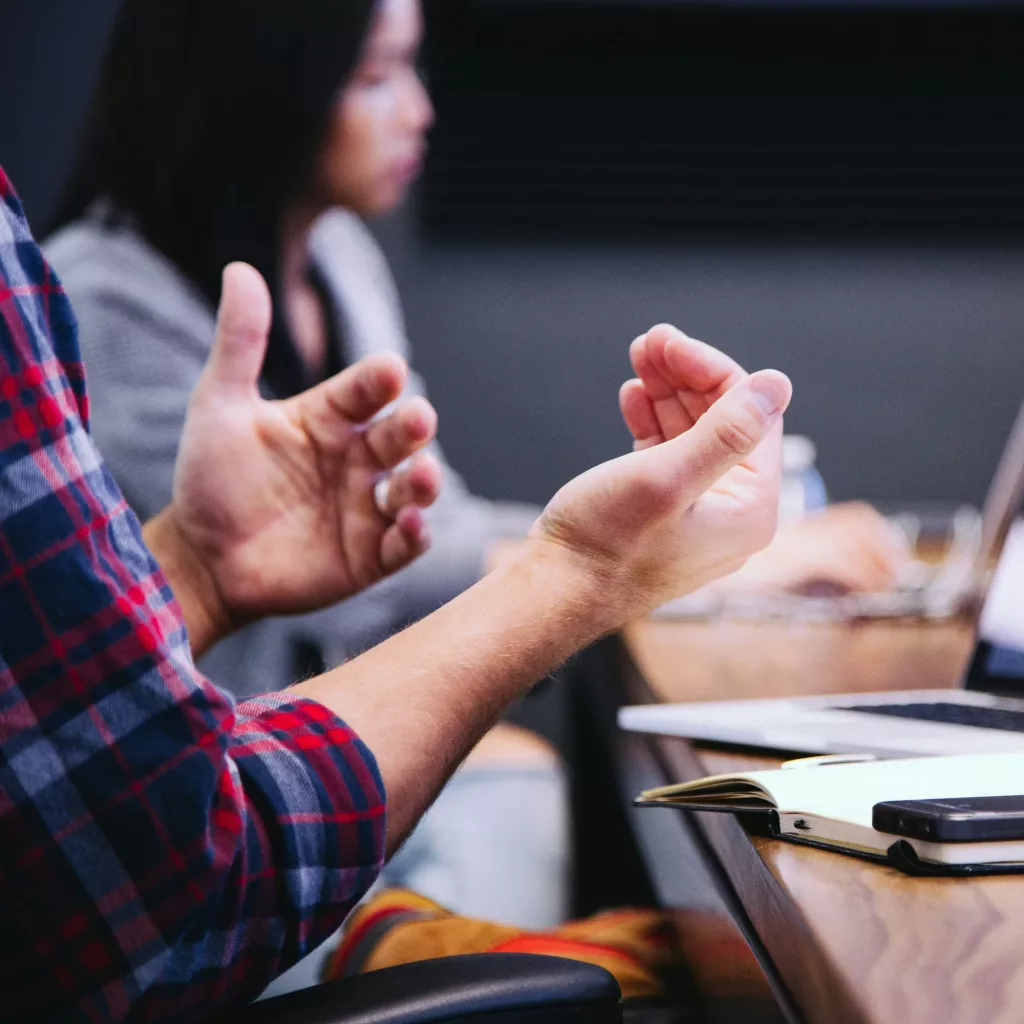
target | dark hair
x=207, y=121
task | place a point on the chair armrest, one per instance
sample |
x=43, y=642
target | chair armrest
x=513, y=988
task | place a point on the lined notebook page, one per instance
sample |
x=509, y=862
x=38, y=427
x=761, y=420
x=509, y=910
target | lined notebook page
x=848, y=792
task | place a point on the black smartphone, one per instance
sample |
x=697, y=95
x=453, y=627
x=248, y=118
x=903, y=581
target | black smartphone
x=974, y=819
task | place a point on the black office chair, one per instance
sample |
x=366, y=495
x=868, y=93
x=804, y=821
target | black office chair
x=482, y=988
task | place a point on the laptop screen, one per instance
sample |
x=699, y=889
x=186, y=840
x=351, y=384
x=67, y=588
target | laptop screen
x=998, y=664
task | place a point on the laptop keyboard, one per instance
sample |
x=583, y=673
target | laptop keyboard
x=948, y=714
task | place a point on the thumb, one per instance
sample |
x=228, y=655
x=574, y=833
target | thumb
x=243, y=327
x=728, y=434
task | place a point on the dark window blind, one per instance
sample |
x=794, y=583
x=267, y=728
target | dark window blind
x=684, y=122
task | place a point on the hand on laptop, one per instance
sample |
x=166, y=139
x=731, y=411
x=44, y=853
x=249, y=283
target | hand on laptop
x=699, y=494
x=847, y=548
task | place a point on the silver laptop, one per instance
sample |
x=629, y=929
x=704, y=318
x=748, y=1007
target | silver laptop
x=985, y=715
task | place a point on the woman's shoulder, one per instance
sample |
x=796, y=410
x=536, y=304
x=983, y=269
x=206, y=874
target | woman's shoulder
x=360, y=282
x=341, y=233
x=110, y=266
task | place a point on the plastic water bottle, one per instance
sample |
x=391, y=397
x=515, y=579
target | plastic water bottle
x=803, y=490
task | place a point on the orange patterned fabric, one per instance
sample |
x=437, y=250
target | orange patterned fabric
x=399, y=927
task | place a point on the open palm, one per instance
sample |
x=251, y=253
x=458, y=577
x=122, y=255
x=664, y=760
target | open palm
x=276, y=498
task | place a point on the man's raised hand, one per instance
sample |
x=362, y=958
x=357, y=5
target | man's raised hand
x=699, y=494
x=276, y=499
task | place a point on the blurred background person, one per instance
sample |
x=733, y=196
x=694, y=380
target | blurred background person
x=259, y=132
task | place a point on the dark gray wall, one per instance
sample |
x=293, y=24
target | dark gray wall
x=50, y=52
x=908, y=363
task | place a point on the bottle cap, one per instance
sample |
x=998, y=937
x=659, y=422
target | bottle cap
x=798, y=453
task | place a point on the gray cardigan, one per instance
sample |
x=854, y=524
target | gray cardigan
x=145, y=334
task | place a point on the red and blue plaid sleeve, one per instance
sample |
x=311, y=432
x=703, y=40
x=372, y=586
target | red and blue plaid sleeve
x=163, y=853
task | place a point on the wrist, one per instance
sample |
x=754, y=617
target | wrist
x=589, y=592
x=207, y=615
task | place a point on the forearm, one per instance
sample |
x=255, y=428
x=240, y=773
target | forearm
x=206, y=617
x=423, y=698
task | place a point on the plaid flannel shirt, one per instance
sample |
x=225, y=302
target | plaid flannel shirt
x=163, y=852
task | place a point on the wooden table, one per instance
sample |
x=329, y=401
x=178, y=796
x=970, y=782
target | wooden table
x=848, y=941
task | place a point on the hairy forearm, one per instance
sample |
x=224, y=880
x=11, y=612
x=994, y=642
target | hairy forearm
x=206, y=617
x=423, y=698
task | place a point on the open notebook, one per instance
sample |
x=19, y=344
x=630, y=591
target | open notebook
x=831, y=805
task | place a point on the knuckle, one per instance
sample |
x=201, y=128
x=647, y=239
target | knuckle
x=399, y=491
x=397, y=434
x=736, y=436
x=361, y=390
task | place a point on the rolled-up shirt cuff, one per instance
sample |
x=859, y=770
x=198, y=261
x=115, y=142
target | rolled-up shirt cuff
x=320, y=783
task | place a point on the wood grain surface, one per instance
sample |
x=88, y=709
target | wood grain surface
x=854, y=942
x=683, y=661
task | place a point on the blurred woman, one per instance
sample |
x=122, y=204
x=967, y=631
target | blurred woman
x=256, y=130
